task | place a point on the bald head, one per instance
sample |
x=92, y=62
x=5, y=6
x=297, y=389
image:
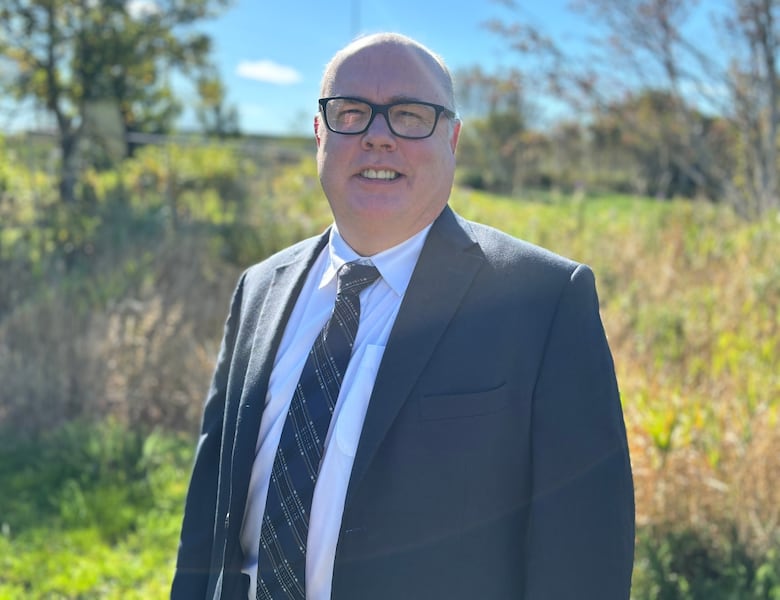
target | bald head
x=393, y=42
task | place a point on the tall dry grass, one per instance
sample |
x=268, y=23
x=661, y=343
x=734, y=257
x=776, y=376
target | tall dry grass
x=143, y=359
x=697, y=343
x=690, y=300
x=131, y=331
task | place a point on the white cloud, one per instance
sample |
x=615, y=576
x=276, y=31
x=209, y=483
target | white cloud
x=268, y=72
x=139, y=9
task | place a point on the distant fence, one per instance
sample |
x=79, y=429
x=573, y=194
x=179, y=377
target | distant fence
x=261, y=149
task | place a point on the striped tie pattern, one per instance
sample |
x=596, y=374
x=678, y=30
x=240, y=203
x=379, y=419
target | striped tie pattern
x=282, y=554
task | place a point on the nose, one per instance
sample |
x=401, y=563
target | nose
x=378, y=134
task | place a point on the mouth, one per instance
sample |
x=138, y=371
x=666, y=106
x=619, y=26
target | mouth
x=380, y=174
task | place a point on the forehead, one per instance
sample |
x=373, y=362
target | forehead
x=385, y=72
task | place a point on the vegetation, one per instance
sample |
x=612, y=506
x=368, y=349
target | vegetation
x=687, y=91
x=117, y=260
x=102, y=70
x=690, y=298
x=91, y=511
x=111, y=312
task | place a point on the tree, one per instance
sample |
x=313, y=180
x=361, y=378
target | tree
x=69, y=55
x=756, y=100
x=214, y=114
x=641, y=136
x=495, y=110
x=656, y=45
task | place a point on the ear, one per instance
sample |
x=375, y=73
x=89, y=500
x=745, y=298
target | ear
x=317, y=126
x=455, y=134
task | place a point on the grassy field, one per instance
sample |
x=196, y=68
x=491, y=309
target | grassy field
x=690, y=299
x=91, y=511
x=690, y=296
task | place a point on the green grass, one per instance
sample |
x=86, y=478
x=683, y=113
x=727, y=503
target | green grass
x=91, y=511
x=690, y=298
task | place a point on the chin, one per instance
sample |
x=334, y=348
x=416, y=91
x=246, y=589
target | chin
x=381, y=205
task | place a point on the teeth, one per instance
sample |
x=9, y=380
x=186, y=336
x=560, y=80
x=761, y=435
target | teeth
x=381, y=174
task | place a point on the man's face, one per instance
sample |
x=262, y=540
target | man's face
x=383, y=189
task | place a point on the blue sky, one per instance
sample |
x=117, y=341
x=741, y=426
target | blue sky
x=271, y=54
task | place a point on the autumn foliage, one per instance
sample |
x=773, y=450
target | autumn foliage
x=112, y=311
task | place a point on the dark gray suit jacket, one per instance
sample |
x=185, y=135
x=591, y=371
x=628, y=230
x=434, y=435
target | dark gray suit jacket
x=493, y=460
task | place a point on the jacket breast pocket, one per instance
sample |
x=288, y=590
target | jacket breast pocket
x=470, y=404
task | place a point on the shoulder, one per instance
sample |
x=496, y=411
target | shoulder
x=505, y=267
x=543, y=282
x=306, y=250
x=256, y=281
x=511, y=255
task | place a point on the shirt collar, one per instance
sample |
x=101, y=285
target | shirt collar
x=395, y=264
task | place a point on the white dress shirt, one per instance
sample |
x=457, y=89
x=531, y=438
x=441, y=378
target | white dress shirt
x=379, y=306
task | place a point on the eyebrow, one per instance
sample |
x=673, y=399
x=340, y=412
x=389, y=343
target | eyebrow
x=392, y=100
x=406, y=99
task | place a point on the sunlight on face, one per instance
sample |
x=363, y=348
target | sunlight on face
x=384, y=188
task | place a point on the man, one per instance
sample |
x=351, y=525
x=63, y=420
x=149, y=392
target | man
x=476, y=447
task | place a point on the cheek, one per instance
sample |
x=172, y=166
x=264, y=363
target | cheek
x=441, y=171
x=332, y=170
x=326, y=157
x=333, y=151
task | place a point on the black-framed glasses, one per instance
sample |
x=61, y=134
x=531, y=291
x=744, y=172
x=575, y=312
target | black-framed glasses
x=409, y=119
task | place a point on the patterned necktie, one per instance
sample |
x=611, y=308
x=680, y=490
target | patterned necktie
x=282, y=556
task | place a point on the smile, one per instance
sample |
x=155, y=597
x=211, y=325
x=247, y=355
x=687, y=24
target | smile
x=384, y=174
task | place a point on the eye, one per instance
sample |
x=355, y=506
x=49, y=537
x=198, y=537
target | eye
x=352, y=110
x=347, y=111
x=411, y=118
x=410, y=111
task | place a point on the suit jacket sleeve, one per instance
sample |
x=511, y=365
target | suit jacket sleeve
x=581, y=534
x=197, y=536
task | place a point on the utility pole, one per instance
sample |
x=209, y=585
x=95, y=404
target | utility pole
x=355, y=18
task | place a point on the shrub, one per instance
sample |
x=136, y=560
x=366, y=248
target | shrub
x=690, y=298
x=686, y=564
x=90, y=511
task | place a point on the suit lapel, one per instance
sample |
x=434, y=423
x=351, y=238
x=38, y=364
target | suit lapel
x=444, y=272
x=277, y=305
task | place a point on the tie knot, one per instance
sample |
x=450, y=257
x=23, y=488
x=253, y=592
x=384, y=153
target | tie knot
x=354, y=277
